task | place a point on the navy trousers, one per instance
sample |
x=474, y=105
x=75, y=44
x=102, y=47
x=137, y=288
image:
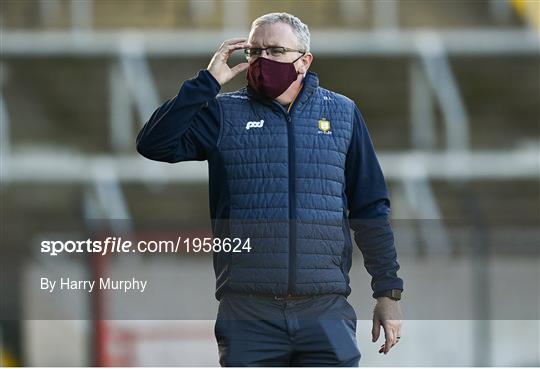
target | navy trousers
x=257, y=330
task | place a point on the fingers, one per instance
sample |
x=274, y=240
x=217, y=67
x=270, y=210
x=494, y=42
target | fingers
x=389, y=316
x=390, y=336
x=392, y=332
x=228, y=49
x=228, y=46
x=234, y=40
x=376, y=330
x=218, y=64
x=239, y=68
x=384, y=346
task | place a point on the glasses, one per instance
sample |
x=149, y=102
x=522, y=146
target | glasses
x=275, y=51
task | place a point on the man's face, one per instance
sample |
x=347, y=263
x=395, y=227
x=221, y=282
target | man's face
x=278, y=34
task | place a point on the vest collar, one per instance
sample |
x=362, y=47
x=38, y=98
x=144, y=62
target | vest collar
x=309, y=85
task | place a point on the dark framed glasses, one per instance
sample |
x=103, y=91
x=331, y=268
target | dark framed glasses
x=275, y=51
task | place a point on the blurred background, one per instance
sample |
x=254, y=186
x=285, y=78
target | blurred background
x=450, y=91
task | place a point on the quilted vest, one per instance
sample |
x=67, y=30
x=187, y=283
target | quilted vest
x=285, y=179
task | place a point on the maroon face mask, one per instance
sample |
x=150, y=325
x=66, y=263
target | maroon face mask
x=271, y=78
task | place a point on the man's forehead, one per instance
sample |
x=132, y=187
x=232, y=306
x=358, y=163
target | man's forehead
x=272, y=34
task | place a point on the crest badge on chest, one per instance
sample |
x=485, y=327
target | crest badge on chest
x=324, y=127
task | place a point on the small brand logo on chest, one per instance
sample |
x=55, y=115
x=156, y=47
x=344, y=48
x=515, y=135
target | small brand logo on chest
x=255, y=124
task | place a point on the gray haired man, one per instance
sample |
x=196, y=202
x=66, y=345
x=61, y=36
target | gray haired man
x=293, y=169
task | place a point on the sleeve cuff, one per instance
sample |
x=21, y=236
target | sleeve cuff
x=383, y=292
x=381, y=287
x=204, y=73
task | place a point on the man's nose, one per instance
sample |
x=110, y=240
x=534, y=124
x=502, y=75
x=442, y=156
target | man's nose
x=268, y=55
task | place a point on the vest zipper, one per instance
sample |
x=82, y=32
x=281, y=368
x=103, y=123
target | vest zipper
x=292, y=206
x=292, y=201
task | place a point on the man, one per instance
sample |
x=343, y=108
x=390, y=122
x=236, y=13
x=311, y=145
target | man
x=290, y=165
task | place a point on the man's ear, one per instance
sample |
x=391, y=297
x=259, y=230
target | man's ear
x=305, y=62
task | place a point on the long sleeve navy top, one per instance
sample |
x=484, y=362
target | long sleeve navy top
x=186, y=127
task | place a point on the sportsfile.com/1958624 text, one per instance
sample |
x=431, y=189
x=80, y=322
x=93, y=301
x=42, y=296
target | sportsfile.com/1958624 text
x=111, y=245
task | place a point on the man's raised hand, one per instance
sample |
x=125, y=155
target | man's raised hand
x=218, y=65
